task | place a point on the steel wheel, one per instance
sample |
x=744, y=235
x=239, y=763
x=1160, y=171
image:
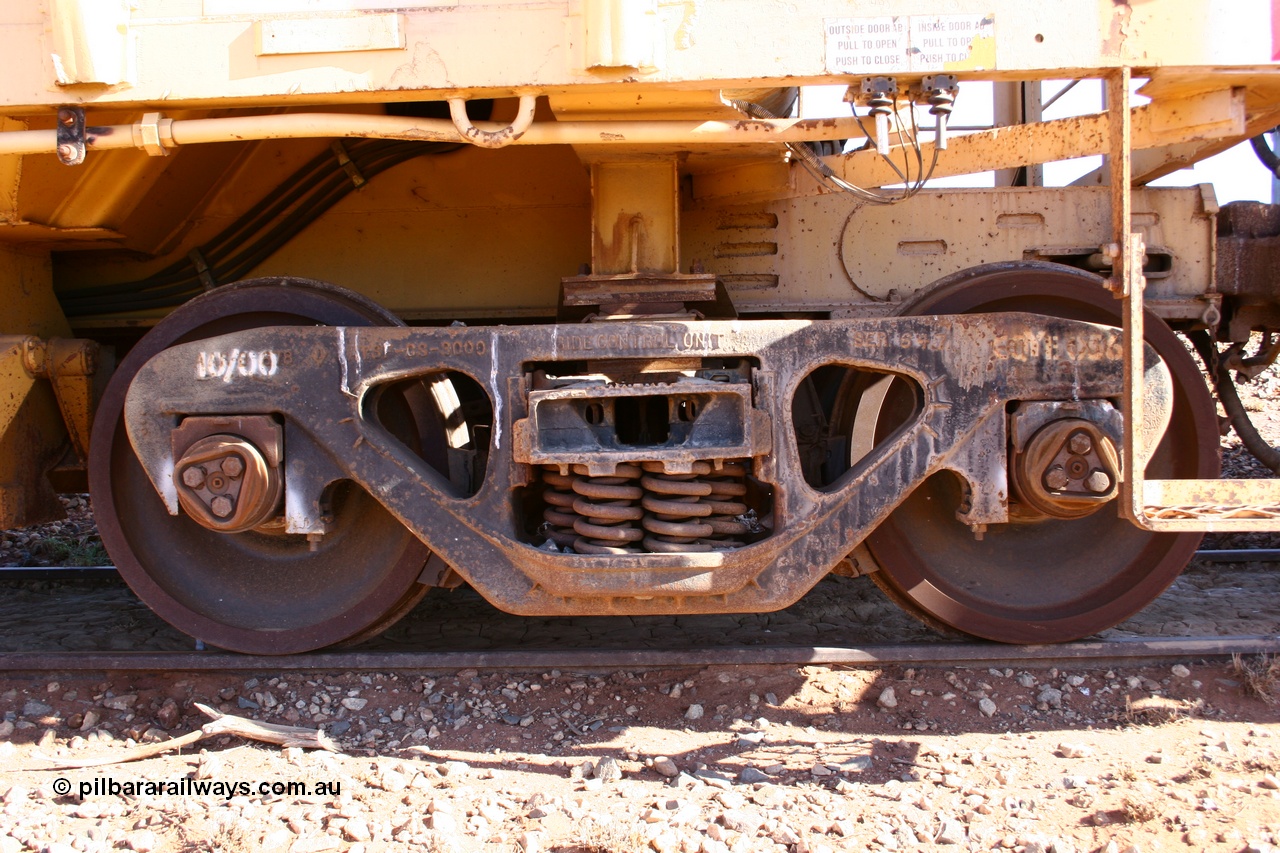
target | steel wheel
x=1049, y=580
x=259, y=592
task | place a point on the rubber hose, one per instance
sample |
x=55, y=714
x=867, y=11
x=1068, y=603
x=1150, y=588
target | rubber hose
x=1226, y=388
x=1265, y=154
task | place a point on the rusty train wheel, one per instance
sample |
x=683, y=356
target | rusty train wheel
x=257, y=592
x=1050, y=580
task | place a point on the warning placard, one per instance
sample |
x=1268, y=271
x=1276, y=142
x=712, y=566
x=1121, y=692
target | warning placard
x=910, y=43
x=866, y=45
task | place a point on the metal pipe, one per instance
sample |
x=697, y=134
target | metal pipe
x=180, y=132
x=496, y=138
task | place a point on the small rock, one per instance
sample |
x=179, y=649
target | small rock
x=141, y=841
x=664, y=766
x=1074, y=750
x=1050, y=696
x=121, y=703
x=888, y=699
x=354, y=703
x=1180, y=671
x=32, y=708
x=393, y=781
x=6, y=728
x=281, y=839
x=737, y=820
x=454, y=768
x=607, y=770
x=356, y=830
x=91, y=719
x=750, y=776
x=530, y=842
x=857, y=764
x=986, y=706
x=1271, y=782
x=169, y=714
x=695, y=712
x=952, y=832
x=248, y=704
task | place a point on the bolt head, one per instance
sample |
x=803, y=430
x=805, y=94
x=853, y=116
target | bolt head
x=221, y=506
x=1097, y=482
x=1080, y=443
x=193, y=477
x=1056, y=478
x=66, y=152
x=233, y=466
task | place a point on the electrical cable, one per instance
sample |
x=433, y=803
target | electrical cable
x=824, y=174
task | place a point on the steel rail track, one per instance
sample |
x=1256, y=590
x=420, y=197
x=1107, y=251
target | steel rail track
x=48, y=573
x=1131, y=651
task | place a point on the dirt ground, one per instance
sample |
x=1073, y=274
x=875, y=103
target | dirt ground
x=775, y=759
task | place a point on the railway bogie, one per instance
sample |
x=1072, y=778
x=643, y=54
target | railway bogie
x=669, y=352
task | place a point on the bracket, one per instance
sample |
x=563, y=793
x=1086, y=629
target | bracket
x=1170, y=506
x=71, y=138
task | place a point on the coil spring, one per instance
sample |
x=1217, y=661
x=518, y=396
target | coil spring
x=606, y=510
x=559, y=515
x=693, y=512
x=698, y=511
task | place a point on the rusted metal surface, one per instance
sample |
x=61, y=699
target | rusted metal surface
x=1248, y=257
x=261, y=592
x=1049, y=579
x=701, y=419
x=1155, y=504
x=927, y=654
x=499, y=138
x=967, y=368
x=1214, y=505
x=1210, y=115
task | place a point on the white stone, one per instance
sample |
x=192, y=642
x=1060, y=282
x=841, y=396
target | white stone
x=141, y=841
x=121, y=703
x=1074, y=750
x=986, y=706
x=664, y=766
x=888, y=699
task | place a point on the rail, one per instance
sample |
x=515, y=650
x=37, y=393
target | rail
x=1129, y=650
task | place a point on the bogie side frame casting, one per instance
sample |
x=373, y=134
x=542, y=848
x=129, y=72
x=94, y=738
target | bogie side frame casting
x=621, y=330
